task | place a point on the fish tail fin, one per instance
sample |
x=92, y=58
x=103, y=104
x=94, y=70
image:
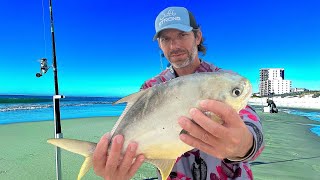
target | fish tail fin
x=83, y=148
x=87, y=164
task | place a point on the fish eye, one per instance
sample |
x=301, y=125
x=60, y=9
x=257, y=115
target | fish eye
x=236, y=92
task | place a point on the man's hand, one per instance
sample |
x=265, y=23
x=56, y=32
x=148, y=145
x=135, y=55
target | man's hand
x=113, y=166
x=231, y=139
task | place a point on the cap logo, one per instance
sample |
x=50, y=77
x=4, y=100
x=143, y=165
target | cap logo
x=169, y=16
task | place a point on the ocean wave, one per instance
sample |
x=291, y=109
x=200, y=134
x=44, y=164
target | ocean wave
x=313, y=115
x=22, y=100
x=20, y=108
x=24, y=107
x=25, y=99
x=316, y=130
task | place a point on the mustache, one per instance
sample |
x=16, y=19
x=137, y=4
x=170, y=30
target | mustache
x=176, y=51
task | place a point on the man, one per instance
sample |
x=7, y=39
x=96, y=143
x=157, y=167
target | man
x=221, y=151
x=272, y=105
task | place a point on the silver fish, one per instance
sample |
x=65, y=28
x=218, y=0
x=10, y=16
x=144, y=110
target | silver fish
x=151, y=116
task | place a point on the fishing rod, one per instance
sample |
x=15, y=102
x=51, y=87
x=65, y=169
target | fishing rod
x=56, y=98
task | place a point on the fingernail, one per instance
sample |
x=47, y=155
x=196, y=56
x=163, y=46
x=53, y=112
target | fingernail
x=182, y=121
x=203, y=103
x=182, y=137
x=192, y=111
x=142, y=159
x=133, y=147
x=119, y=139
x=107, y=135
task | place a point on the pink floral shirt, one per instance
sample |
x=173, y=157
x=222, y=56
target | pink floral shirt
x=197, y=165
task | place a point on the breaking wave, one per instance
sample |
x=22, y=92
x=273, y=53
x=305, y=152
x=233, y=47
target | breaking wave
x=20, y=107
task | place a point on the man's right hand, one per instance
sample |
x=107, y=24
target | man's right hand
x=112, y=165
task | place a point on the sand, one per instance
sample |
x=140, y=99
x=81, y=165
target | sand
x=289, y=102
x=25, y=154
x=291, y=152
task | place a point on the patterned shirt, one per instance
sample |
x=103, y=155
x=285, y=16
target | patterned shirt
x=197, y=165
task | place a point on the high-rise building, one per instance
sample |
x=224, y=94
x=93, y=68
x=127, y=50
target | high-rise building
x=272, y=82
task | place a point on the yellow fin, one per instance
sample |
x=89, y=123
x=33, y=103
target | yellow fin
x=164, y=165
x=87, y=164
x=83, y=148
x=213, y=117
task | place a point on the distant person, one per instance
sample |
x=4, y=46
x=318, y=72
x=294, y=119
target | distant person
x=214, y=156
x=272, y=105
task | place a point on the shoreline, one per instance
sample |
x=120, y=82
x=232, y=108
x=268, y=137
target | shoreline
x=313, y=115
x=294, y=102
x=291, y=149
x=65, y=119
x=24, y=148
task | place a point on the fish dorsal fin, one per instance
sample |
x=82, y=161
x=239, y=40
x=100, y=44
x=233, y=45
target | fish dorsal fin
x=130, y=101
x=164, y=165
x=131, y=98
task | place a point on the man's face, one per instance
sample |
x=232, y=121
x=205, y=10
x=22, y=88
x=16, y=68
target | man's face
x=179, y=47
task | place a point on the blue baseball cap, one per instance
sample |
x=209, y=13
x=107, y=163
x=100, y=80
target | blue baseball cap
x=174, y=18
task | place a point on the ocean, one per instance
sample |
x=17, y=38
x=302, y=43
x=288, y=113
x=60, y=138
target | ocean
x=22, y=108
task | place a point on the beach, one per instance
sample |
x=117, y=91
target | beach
x=25, y=154
x=306, y=102
x=291, y=152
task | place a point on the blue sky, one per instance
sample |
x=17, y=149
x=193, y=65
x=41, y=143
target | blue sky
x=105, y=48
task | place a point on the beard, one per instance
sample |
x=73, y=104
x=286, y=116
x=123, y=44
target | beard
x=189, y=60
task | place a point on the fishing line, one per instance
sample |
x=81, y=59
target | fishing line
x=161, y=58
x=44, y=31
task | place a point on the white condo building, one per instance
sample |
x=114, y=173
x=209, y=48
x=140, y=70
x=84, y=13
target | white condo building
x=272, y=81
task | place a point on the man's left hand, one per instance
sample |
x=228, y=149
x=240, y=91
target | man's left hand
x=231, y=139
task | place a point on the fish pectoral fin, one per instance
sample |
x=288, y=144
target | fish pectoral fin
x=164, y=165
x=213, y=117
x=87, y=164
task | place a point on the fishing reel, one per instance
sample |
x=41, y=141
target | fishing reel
x=43, y=67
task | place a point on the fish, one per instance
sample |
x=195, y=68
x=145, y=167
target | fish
x=151, y=116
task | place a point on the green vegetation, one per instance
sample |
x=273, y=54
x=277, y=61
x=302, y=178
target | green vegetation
x=300, y=94
x=316, y=94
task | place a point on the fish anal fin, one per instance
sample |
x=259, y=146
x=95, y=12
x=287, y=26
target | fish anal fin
x=87, y=164
x=164, y=165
